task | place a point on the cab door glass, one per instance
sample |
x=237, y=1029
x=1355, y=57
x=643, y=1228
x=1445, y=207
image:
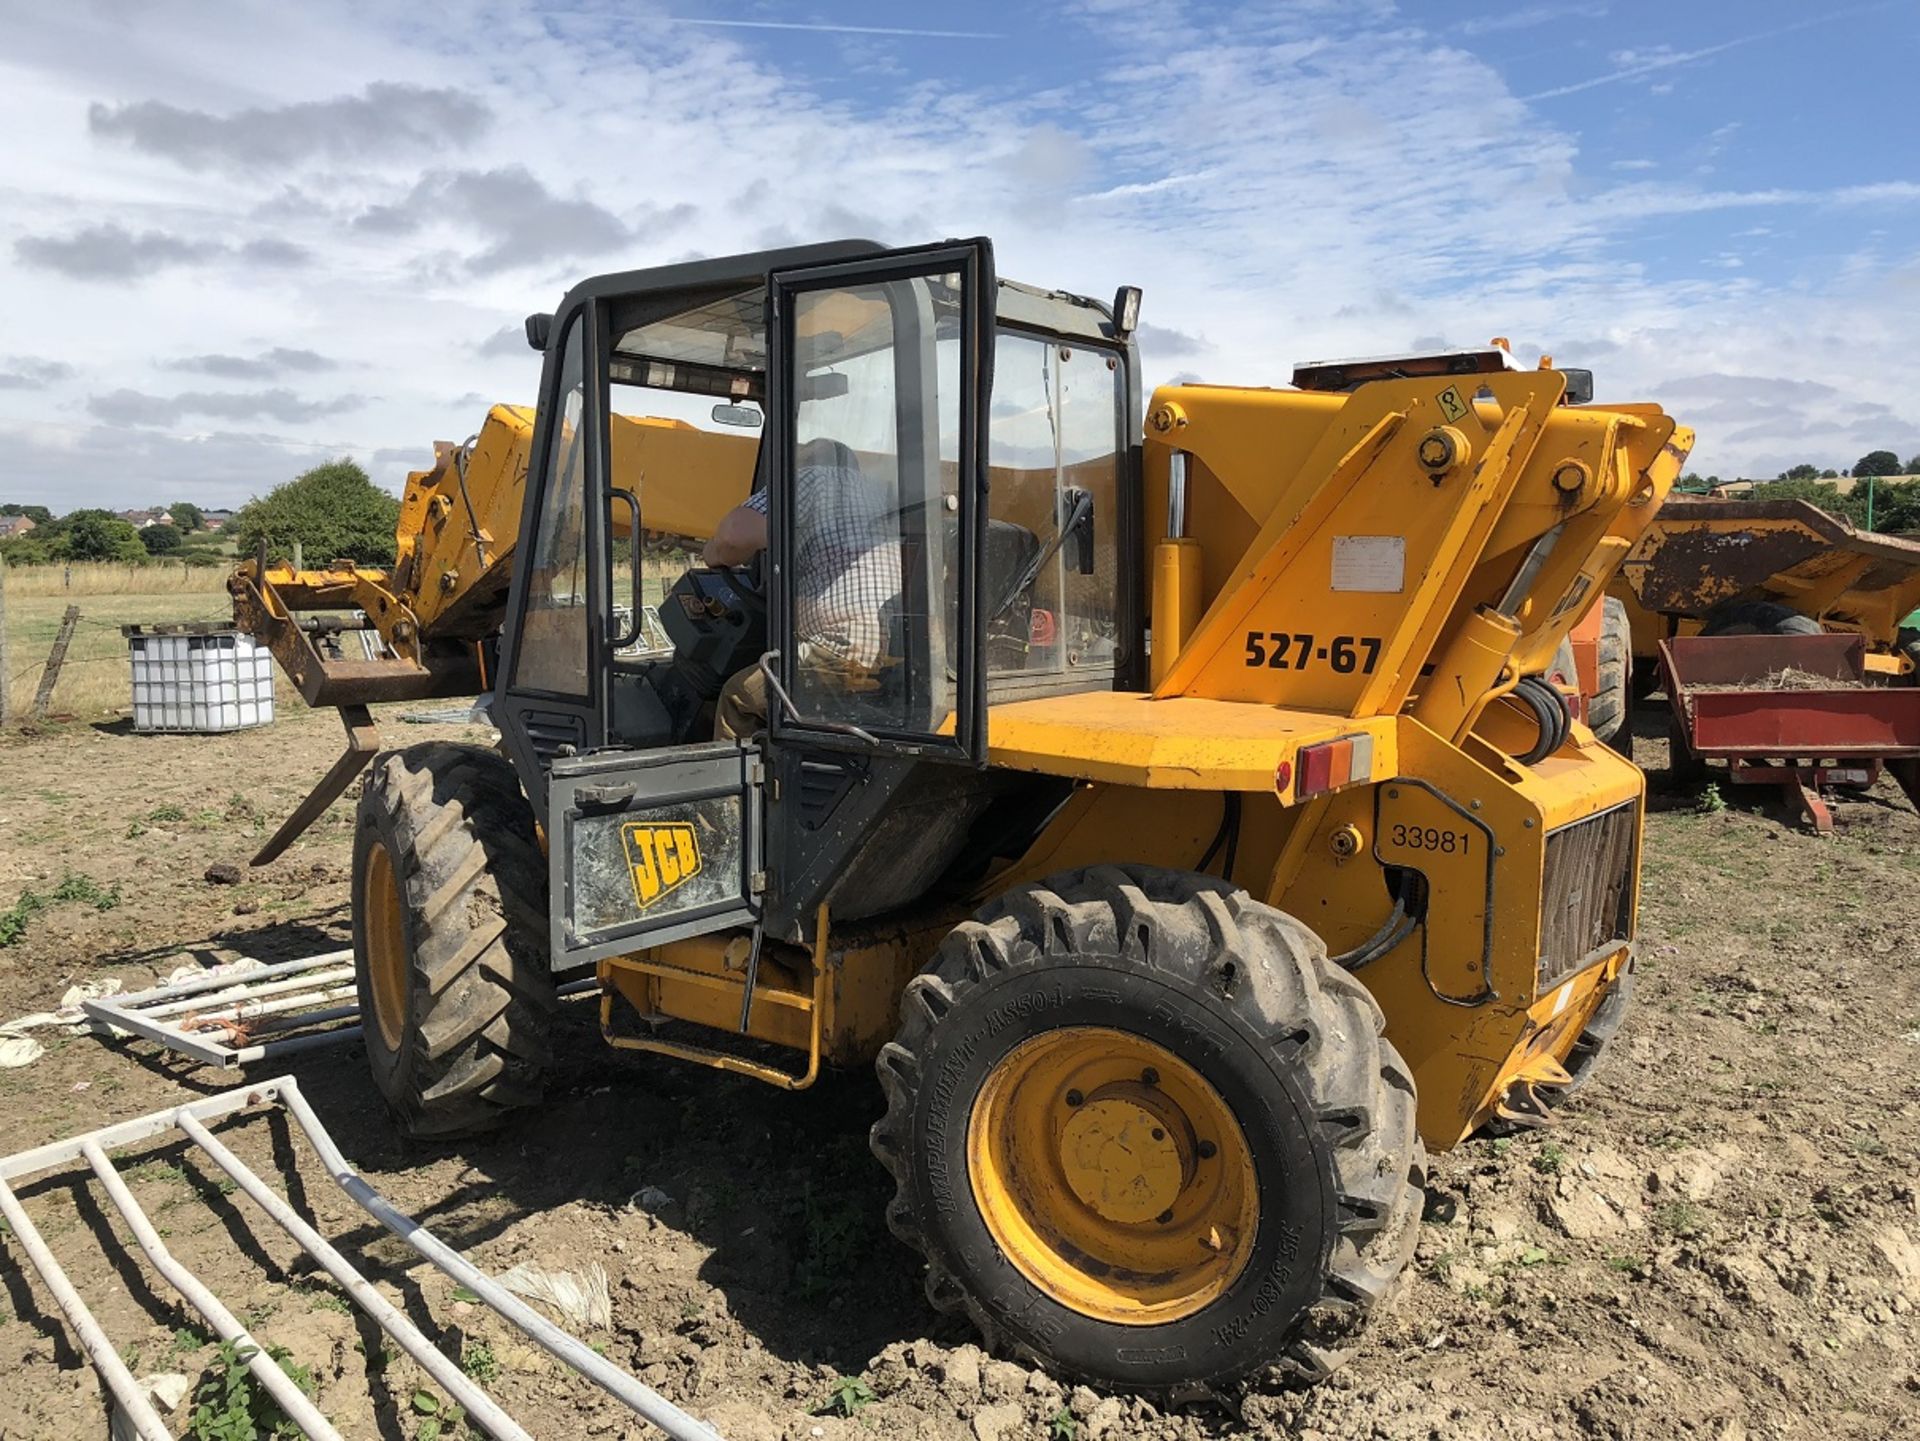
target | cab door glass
x=874, y=511
x=1054, y=451
x=552, y=652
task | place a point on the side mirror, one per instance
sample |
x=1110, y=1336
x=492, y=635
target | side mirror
x=1579, y=386
x=823, y=385
x=1076, y=530
x=744, y=416
x=539, y=327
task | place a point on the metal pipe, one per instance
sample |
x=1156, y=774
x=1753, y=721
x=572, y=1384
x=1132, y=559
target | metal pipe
x=250, y=995
x=196, y=984
x=305, y=1018
x=125, y=1133
x=479, y=1406
x=641, y=1399
x=1177, y=495
x=133, y=1401
x=273, y=1006
x=292, y=1400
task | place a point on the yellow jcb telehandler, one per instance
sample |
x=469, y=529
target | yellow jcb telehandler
x=1164, y=798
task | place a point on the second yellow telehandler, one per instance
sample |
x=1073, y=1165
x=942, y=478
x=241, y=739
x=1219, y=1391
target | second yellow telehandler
x=1161, y=794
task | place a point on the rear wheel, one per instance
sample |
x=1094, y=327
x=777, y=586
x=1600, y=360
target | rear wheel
x=449, y=939
x=1147, y=1135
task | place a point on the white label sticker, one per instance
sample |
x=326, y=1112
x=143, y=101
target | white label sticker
x=1375, y=563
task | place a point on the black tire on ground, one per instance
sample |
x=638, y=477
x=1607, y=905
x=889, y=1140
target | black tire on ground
x=1290, y=1043
x=1757, y=617
x=1610, y=712
x=1585, y=1057
x=478, y=993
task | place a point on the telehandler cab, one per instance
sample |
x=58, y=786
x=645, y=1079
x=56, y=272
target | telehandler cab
x=1191, y=842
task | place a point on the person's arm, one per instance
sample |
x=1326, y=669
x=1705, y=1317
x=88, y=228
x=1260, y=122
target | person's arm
x=741, y=535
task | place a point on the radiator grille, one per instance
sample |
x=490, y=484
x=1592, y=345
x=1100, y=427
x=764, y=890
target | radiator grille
x=1587, y=890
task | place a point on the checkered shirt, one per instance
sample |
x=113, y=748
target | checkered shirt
x=846, y=538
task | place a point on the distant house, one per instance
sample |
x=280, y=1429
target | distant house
x=141, y=519
x=216, y=519
x=12, y=525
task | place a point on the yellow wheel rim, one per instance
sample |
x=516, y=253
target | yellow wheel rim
x=386, y=931
x=1112, y=1176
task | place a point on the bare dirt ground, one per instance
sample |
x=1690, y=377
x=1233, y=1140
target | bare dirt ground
x=1721, y=1240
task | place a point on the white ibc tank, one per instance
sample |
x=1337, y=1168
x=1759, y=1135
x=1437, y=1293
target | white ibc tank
x=199, y=680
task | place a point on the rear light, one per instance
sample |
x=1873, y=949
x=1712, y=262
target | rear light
x=1333, y=764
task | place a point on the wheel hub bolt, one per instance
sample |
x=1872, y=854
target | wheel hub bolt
x=1074, y=1098
x=1205, y=1150
x=1150, y=1076
x=1158, y=1134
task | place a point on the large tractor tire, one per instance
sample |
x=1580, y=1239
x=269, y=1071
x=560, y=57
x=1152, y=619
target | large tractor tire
x=1758, y=617
x=449, y=939
x=1610, y=711
x=1147, y=1135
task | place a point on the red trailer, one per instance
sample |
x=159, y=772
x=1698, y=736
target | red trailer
x=1797, y=711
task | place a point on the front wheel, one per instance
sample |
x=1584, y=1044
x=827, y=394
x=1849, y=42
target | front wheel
x=449, y=939
x=1147, y=1135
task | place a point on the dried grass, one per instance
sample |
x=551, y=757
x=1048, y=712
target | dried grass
x=107, y=578
x=1786, y=678
x=97, y=678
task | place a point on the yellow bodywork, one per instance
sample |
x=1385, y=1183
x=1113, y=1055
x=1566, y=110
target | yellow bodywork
x=1371, y=571
x=1467, y=575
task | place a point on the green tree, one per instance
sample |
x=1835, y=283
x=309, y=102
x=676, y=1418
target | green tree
x=100, y=535
x=1802, y=472
x=161, y=539
x=29, y=549
x=334, y=510
x=186, y=516
x=38, y=514
x=1877, y=462
x=1913, y=466
x=1896, y=506
x=1827, y=496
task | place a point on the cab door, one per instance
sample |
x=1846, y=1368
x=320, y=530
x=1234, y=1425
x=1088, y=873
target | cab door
x=879, y=376
x=548, y=699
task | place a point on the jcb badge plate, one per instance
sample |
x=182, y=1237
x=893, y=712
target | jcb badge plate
x=662, y=857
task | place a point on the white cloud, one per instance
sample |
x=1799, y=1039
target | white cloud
x=386, y=118
x=1321, y=179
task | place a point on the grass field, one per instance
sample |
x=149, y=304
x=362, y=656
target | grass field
x=95, y=681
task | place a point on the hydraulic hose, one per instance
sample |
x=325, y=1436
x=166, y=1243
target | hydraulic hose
x=1399, y=925
x=1549, y=709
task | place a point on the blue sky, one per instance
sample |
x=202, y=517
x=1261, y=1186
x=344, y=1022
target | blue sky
x=245, y=238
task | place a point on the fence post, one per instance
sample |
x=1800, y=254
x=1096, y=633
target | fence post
x=56, y=658
x=6, y=668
